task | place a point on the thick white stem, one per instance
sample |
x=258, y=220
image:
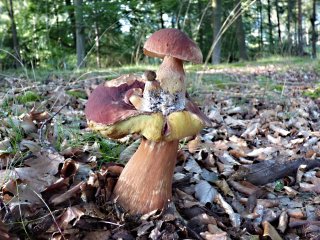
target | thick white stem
x=171, y=75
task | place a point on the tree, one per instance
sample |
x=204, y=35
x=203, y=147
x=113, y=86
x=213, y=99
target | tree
x=300, y=33
x=260, y=25
x=217, y=12
x=15, y=39
x=70, y=10
x=241, y=37
x=80, y=43
x=278, y=21
x=289, y=17
x=314, y=33
x=271, y=48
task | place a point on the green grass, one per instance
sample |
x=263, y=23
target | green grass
x=77, y=94
x=28, y=96
x=268, y=84
x=272, y=60
x=313, y=93
x=16, y=135
x=76, y=138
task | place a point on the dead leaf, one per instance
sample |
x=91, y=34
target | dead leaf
x=270, y=231
x=205, y=192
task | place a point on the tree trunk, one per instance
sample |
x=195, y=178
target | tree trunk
x=300, y=33
x=261, y=25
x=70, y=11
x=80, y=43
x=278, y=21
x=15, y=39
x=270, y=28
x=200, y=29
x=97, y=33
x=217, y=13
x=97, y=42
x=186, y=16
x=161, y=16
x=179, y=15
x=241, y=35
x=290, y=6
x=314, y=33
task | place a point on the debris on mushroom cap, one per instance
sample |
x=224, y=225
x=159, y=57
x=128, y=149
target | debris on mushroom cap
x=150, y=75
x=174, y=43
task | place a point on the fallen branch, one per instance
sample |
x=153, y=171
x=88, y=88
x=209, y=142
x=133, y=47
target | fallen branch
x=271, y=170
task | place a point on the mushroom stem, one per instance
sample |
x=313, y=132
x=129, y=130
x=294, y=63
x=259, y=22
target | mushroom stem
x=145, y=183
x=171, y=75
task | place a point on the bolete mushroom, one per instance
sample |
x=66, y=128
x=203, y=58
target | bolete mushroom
x=119, y=108
x=174, y=47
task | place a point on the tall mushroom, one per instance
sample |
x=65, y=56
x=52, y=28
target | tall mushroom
x=139, y=105
x=174, y=47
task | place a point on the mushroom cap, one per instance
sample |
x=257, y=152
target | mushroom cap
x=172, y=42
x=109, y=112
x=107, y=105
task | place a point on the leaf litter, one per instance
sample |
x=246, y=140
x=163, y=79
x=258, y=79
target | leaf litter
x=256, y=173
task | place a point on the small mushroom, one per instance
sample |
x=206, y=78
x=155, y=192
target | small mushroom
x=138, y=105
x=174, y=47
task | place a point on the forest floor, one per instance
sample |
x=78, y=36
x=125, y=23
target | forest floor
x=255, y=173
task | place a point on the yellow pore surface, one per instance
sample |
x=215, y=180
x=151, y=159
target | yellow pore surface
x=180, y=124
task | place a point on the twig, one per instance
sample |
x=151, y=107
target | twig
x=112, y=223
x=41, y=131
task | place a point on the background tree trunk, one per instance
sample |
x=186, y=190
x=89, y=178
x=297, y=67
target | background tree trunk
x=278, y=21
x=289, y=17
x=15, y=39
x=271, y=48
x=80, y=44
x=314, y=33
x=241, y=35
x=161, y=16
x=97, y=33
x=97, y=43
x=72, y=20
x=217, y=13
x=300, y=33
x=261, y=25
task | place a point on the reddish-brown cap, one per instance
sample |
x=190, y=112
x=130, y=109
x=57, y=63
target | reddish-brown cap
x=107, y=105
x=172, y=42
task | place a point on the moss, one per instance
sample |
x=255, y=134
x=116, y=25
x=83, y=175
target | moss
x=277, y=87
x=77, y=94
x=312, y=93
x=28, y=96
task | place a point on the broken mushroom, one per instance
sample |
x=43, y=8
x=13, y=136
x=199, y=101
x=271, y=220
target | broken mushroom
x=118, y=108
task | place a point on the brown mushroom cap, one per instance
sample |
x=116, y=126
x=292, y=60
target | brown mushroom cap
x=172, y=42
x=106, y=104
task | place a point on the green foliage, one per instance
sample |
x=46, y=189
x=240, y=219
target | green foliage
x=28, y=96
x=109, y=150
x=5, y=107
x=268, y=84
x=71, y=136
x=77, y=94
x=313, y=93
x=16, y=135
x=46, y=30
x=279, y=185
